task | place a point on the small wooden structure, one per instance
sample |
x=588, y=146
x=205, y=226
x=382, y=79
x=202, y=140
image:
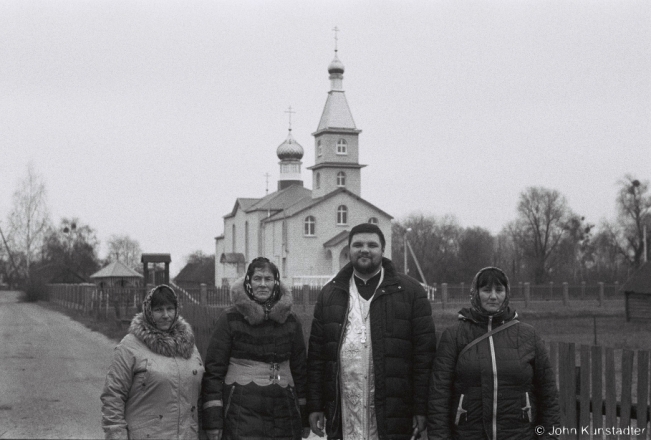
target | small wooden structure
x=156, y=258
x=117, y=274
x=637, y=291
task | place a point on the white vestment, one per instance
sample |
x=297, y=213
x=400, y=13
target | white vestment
x=357, y=378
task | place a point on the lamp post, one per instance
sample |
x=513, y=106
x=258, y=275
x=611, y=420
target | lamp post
x=405, y=249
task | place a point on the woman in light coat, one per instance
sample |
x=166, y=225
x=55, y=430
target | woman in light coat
x=153, y=385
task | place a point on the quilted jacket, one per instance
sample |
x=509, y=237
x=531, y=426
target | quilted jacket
x=404, y=345
x=499, y=389
x=256, y=407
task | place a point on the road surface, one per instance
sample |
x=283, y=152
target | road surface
x=52, y=372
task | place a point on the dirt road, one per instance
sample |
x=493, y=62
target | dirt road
x=52, y=372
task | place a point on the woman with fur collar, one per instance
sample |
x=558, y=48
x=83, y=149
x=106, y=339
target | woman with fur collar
x=153, y=385
x=255, y=381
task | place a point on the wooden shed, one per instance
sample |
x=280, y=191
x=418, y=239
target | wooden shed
x=637, y=291
x=117, y=274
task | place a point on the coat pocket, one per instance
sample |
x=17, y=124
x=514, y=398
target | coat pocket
x=228, y=401
x=461, y=413
x=526, y=409
x=141, y=373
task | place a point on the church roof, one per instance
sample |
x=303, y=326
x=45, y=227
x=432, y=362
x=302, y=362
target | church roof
x=116, y=269
x=289, y=149
x=640, y=281
x=336, y=113
x=305, y=204
x=343, y=235
x=282, y=199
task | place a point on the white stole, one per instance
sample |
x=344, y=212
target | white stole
x=357, y=377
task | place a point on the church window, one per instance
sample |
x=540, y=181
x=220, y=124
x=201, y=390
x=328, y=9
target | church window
x=310, y=225
x=318, y=180
x=341, y=178
x=342, y=215
x=373, y=220
x=319, y=149
x=342, y=146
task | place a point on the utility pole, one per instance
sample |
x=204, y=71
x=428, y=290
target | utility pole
x=11, y=257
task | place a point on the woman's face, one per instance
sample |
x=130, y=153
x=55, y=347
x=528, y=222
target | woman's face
x=492, y=298
x=163, y=315
x=262, y=283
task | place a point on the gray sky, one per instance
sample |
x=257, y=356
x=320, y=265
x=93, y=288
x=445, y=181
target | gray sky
x=149, y=118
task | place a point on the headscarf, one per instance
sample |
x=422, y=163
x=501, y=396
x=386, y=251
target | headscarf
x=261, y=263
x=146, y=307
x=475, y=301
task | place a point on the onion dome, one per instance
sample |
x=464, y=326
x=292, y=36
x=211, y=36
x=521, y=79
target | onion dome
x=336, y=66
x=290, y=149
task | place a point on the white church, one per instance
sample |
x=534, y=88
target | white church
x=305, y=232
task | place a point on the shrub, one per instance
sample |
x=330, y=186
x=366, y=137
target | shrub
x=34, y=289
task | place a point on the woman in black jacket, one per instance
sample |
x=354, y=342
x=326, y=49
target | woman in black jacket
x=491, y=377
x=255, y=381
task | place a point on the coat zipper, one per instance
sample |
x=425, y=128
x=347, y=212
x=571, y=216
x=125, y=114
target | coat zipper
x=494, y=365
x=228, y=403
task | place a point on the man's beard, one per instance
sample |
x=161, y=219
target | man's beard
x=367, y=269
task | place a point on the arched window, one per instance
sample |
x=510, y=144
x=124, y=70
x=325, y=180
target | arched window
x=341, y=178
x=342, y=215
x=373, y=220
x=318, y=180
x=310, y=225
x=319, y=149
x=342, y=146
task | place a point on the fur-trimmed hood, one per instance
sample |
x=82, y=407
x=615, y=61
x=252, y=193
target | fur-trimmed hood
x=177, y=342
x=254, y=312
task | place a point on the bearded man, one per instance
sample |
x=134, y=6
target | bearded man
x=371, y=348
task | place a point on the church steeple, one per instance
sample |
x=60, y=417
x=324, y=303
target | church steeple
x=290, y=154
x=336, y=162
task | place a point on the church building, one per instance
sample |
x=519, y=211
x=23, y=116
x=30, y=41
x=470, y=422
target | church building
x=305, y=232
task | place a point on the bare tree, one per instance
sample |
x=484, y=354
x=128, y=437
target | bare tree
x=29, y=218
x=124, y=249
x=540, y=227
x=633, y=208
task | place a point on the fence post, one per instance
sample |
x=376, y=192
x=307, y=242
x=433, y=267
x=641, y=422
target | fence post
x=306, y=296
x=433, y=292
x=527, y=294
x=601, y=293
x=582, y=289
x=463, y=288
x=566, y=294
x=203, y=294
x=551, y=290
x=444, y=294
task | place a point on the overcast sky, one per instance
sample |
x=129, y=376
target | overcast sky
x=149, y=118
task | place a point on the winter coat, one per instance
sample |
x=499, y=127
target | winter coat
x=255, y=380
x=403, y=345
x=463, y=401
x=153, y=384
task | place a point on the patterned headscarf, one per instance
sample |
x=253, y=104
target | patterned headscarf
x=475, y=301
x=262, y=263
x=146, y=306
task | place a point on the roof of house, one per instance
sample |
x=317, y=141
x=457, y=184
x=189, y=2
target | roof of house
x=197, y=272
x=640, y=281
x=116, y=270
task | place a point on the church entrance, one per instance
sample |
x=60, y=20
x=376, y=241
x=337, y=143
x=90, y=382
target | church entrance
x=343, y=257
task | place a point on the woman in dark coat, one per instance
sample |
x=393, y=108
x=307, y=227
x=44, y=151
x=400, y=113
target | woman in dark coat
x=498, y=388
x=255, y=381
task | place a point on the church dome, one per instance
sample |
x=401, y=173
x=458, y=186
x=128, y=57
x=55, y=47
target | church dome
x=336, y=66
x=290, y=149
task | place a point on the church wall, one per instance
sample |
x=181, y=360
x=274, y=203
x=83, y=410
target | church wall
x=306, y=255
x=329, y=148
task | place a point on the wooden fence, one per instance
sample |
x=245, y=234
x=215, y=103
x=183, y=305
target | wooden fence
x=604, y=396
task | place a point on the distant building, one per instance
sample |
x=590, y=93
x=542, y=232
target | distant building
x=197, y=272
x=305, y=232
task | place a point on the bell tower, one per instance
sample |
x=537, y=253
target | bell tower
x=336, y=139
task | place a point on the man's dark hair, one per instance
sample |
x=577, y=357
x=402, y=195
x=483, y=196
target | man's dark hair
x=366, y=228
x=163, y=295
